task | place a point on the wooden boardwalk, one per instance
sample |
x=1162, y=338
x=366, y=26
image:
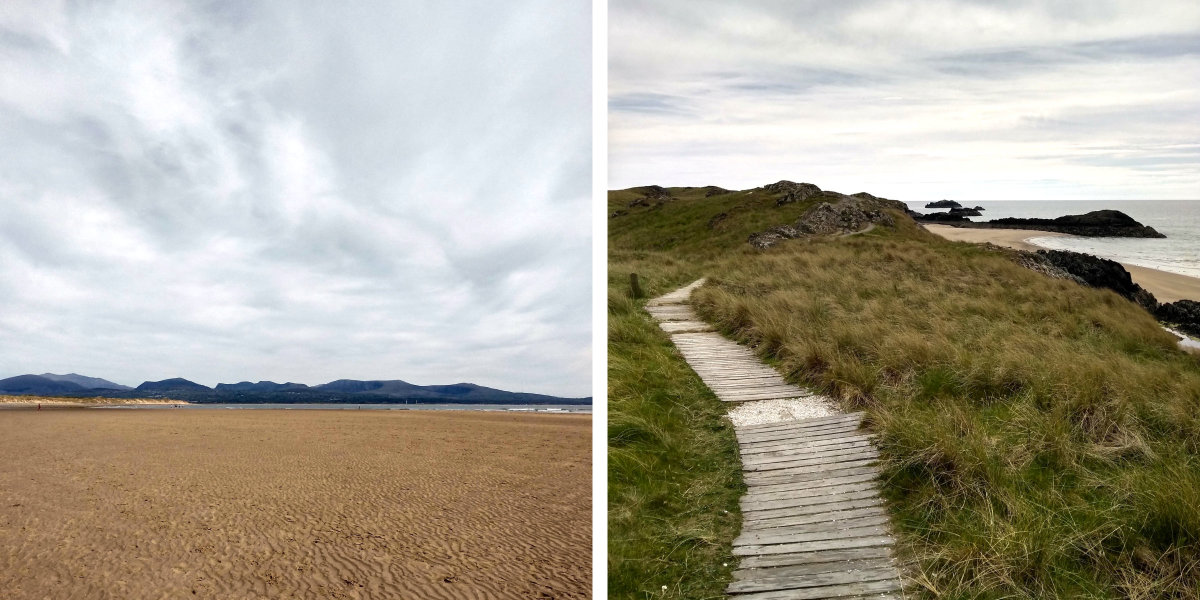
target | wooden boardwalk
x=814, y=525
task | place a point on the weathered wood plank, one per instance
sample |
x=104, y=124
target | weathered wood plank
x=808, y=558
x=866, y=529
x=882, y=572
x=806, y=438
x=755, y=496
x=839, y=454
x=781, y=535
x=787, y=428
x=817, y=546
x=829, y=517
x=881, y=558
x=786, y=478
x=870, y=475
x=820, y=502
x=815, y=421
x=811, y=509
x=806, y=453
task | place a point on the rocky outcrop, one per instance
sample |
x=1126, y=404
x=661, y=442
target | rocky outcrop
x=618, y=213
x=943, y=204
x=1183, y=314
x=1098, y=223
x=1101, y=273
x=712, y=190
x=790, y=191
x=652, y=194
x=841, y=214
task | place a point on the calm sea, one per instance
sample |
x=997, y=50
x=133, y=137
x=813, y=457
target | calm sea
x=1179, y=220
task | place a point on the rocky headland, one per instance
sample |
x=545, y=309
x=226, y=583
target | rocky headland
x=1098, y=223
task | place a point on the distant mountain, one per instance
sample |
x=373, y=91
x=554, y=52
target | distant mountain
x=37, y=385
x=352, y=391
x=87, y=382
x=173, y=384
x=262, y=386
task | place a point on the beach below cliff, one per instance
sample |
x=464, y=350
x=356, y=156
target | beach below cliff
x=1166, y=286
x=307, y=504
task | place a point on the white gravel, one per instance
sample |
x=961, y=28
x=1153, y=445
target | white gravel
x=762, y=412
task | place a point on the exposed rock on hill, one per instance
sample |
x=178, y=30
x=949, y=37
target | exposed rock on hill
x=840, y=215
x=790, y=191
x=712, y=190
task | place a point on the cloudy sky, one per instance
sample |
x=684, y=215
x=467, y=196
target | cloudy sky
x=976, y=100
x=297, y=191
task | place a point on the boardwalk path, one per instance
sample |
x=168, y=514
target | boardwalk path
x=814, y=525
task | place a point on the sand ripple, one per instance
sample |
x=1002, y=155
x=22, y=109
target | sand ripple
x=294, y=504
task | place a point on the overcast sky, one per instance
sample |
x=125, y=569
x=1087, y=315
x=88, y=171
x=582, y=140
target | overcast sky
x=976, y=100
x=297, y=191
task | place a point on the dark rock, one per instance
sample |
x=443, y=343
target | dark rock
x=1098, y=223
x=943, y=204
x=713, y=222
x=939, y=217
x=1101, y=273
x=966, y=212
x=841, y=215
x=643, y=201
x=1184, y=315
x=712, y=190
x=978, y=208
x=790, y=191
x=618, y=213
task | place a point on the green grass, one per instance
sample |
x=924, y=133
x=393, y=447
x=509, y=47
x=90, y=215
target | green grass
x=1040, y=439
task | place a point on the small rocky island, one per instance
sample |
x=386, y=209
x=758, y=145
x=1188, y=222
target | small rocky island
x=1098, y=223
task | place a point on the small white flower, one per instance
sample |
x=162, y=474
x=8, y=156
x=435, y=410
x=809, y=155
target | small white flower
x=664, y=588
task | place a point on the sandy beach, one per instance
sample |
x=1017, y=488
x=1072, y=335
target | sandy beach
x=1166, y=287
x=157, y=503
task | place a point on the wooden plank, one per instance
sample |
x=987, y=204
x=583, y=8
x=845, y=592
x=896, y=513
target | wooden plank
x=756, y=496
x=817, y=546
x=876, y=581
x=814, y=568
x=812, y=509
x=789, y=427
x=815, y=445
x=785, y=478
x=803, y=453
x=779, y=535
x=769, y=525
x=826, y=481
x=808, y=558
x=866, y=529
x=807, y=422
x=840, y=454
x=880, y=572
x=806, y=438
x=816, y=503
x=800, y=468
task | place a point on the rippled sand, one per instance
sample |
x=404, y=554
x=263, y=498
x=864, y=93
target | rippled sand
x=303, y=504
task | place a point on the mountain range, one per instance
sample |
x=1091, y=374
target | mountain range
x=339, y=391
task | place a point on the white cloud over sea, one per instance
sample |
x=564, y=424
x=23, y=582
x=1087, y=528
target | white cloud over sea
x=973, y=100
x=297, y=191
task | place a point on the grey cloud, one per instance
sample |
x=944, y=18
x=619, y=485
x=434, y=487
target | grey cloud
x=296, y=191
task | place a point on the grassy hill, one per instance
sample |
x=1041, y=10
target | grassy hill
x=1040, y=438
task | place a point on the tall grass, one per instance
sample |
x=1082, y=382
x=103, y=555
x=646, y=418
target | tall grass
x=674, y=479
x=1041, y=439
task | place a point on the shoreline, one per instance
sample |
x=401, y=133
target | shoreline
x=1165, y=285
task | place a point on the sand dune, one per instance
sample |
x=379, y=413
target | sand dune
x=304, y=504
x=1166, y=287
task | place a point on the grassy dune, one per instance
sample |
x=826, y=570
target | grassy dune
x=1041, y=439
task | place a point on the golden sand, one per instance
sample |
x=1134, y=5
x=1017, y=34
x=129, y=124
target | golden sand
x=1166, y=287
x=163, y=503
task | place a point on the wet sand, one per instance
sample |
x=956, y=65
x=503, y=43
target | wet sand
x=112, y=503
x=1166, y=287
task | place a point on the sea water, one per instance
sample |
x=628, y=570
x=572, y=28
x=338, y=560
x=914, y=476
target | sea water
x=1179, y=220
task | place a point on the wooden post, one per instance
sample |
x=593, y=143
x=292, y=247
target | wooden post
x=633, y=284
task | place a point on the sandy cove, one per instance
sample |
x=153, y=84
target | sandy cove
x=100, y=503
x=1166, y=287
